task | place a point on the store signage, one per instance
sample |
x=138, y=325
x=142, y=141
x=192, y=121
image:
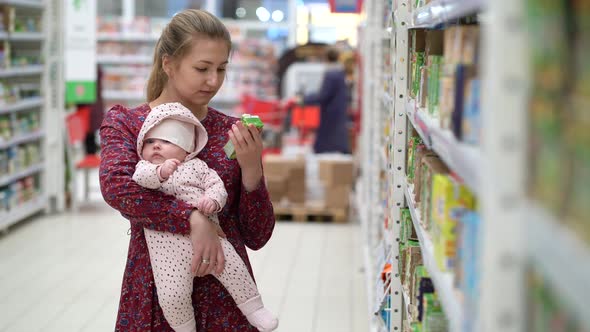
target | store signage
x=346, y=6
x=80, y=51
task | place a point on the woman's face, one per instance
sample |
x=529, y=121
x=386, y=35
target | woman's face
x=196, y=78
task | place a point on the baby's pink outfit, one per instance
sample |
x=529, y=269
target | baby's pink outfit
x=171, y=254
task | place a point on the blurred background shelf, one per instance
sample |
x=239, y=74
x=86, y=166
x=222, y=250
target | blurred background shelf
x=23, y=211
x=22, y=71
x=22, y=104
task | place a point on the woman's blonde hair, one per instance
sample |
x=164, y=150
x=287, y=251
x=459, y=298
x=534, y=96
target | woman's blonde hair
x=176, y=40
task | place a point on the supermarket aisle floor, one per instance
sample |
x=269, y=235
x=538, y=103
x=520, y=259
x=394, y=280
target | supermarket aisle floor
x=63, y=273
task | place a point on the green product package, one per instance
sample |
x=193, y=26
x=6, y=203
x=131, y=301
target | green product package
x=416, y=73
x=246, y=119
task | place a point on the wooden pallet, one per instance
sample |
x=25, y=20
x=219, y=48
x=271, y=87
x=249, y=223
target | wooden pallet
x=310, y=211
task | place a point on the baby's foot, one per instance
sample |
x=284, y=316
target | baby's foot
x=258, y=315
x=263, y=320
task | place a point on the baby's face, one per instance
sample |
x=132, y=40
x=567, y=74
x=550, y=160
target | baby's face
x=157, y=150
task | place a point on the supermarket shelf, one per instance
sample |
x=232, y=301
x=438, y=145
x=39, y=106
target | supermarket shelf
x=443, y=281
x=369, y=282
x=22, y=139
x=421, y=127
x=138, y=37
x=8, y=179
x=22, y=105
x=127, y=70
x=123, y=95
x=21, y=212
x=463, y=159
x=22, y=71
x=26, y=36
x=442, y=11
x=24, y=3
x=568, y=253
x=124, y=59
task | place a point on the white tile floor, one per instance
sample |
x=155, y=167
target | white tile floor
x=63, y=273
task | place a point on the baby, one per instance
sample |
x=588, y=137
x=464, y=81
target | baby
x=168, y=143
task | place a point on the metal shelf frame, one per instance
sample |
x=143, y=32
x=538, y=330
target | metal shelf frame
x=439, y=12
x=463, y=159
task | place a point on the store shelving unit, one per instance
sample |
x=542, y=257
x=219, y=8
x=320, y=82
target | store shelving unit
x=439, y=12
x=463, y=159
x=30, y=99
x=495, y=171
x=443, y=282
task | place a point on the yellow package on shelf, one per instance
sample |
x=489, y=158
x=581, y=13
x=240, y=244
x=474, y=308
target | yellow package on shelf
x=450, y=199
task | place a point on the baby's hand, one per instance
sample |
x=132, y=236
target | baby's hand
x=168, y=167
x=207, y=205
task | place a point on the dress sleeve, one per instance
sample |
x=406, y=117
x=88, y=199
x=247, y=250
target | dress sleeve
x=257, y=219
x=148, y=208
x=146, y=175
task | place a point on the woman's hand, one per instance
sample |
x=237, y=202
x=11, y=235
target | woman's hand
x=208, y=255
x=248, y=144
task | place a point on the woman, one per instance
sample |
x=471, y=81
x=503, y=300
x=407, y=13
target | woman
x=333, y=98
x=190, y=60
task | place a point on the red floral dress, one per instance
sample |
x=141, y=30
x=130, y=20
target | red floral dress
x=247, y=219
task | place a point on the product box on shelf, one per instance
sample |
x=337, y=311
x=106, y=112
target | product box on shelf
x=450, y=199
x=468, y=255
x=414, y=143
x=430, y=167
x=422, y=285
x=471, y=122
x=461, y=44
x=417, y=60
x=434, y=318
x=412, y=258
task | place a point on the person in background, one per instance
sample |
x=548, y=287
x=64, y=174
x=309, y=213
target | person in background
x=333, y=99
x=190, y=61
x=168, y=143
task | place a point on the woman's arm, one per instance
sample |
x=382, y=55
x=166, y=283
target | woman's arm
x=255, y=209
x=325, y=93
x=150, y=208
x=257, y=219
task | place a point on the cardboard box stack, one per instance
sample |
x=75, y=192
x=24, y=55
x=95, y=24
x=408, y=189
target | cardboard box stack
x=336, y=175
x=285, y=178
